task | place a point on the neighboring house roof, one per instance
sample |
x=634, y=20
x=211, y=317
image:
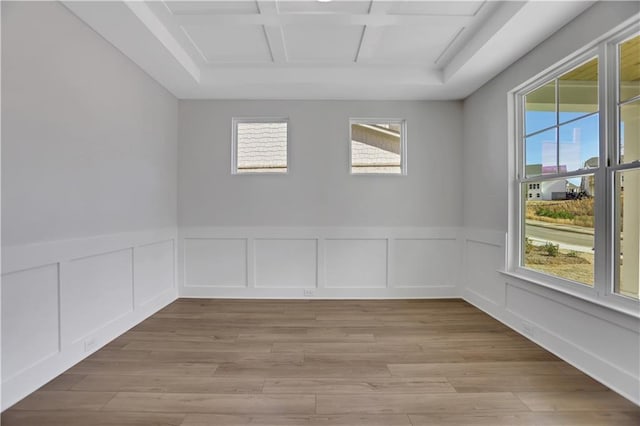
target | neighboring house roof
x=375, y=148
x=366, y=155
x=262, y=145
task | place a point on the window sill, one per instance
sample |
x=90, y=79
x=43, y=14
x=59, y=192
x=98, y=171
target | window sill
x=634, y=313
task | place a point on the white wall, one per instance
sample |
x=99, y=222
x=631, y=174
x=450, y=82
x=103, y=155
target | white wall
x=89, y=147
x=602, y=343
x=318, y=191
x=89, y=140
x=340, y=235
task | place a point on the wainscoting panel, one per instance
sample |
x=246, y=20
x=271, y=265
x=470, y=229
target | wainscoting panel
x=216, y=262
x=288, y=263
x=617, y=347
x=484, y=260
x=63, y=300
x=95, y=291
x=154, y=271
x=320, y=262
x=30, y=329
x=415, y=259
x=351, y=263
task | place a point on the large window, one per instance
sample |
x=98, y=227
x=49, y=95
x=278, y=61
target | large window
x=578, y=173
x=259, y=145
x=378, y=146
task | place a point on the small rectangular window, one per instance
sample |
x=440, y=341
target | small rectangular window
x=259, y=145
x=378, y=146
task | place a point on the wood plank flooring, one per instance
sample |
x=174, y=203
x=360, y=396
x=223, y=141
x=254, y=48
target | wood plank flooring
x=311, y=362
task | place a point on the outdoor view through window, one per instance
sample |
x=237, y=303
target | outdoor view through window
x=561, y=136
x=562, y=168
x=261, y=146
x=376, y=147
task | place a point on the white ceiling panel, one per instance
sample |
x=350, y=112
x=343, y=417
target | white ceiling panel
x=230, y=44
x=314, y=6
x=444, y=8
x=344, y=49
x=213, y=7
x=322, y=43
x=409, y=44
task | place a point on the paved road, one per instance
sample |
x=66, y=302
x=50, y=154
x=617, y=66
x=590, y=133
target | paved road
x=567, y=239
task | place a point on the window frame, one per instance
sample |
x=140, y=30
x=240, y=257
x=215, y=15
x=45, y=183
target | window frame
x=605, y=240
x=403, y=143
x=234, y=144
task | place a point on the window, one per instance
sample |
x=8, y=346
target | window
x=578, y=137
x=259, y=145
x=626, y=170
x=378, y=146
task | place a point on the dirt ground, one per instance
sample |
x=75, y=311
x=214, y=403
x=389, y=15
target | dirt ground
x=575, y=266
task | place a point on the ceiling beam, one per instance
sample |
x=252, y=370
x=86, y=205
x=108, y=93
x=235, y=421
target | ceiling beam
x=324, y=19
x=322, y=75
x=140, y=35
x=159, y=30
x=478, y=39
x=506, y=34
x=371, y=35
x=273, y=33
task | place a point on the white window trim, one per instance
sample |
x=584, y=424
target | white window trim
x=234, y=143
x=602, y=293
x=403, y=143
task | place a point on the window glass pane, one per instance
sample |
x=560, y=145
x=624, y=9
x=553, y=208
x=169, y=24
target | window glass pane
x=261, y=147
x=540, y=108
x=629, y=67
x=578, y=91
x=630, y=132
x=376, y=148
x=628, y=237
x=541, y=155
x=559, y=228
x=579, y=144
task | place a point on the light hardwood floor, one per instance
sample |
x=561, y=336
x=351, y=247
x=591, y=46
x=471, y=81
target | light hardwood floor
x=379, y=363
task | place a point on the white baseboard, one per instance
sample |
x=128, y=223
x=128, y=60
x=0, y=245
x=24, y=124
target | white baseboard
x=320, y=293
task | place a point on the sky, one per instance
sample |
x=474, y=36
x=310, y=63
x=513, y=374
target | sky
x=578, y=139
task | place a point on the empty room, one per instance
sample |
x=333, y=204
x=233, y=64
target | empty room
x=320, y=212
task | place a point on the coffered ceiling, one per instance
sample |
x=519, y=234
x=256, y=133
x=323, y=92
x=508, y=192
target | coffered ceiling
x=308, y=49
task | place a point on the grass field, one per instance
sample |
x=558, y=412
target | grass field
x=569, y=212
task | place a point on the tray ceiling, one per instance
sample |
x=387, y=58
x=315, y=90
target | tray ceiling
x=342, y=49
